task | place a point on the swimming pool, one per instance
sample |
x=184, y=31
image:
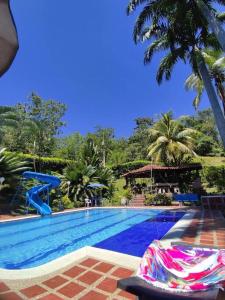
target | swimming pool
x=33, y=242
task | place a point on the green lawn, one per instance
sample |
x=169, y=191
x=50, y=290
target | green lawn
x=208, y=161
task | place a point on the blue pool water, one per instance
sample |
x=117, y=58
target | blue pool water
x=30, y=243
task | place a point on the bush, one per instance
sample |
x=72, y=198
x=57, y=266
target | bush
x=119, y=192
x=121, y=169
x=157, y=199
x=44, y=164
x=214, y=177
x=61, y=204
x=66, y=202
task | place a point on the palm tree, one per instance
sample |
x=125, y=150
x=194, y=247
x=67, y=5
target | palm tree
x=178, y=28
x=171, y=144
x=8, y=118
x=216, y=64
x=11, y=167
x=76, y=179
x=88, y=169
x=214, y=20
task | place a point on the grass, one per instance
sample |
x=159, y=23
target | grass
x=208, y=161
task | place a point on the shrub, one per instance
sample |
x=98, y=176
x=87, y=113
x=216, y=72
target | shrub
x=11, y=168
x=214, y=177
x=157, y=199
x=119, y=192
x=66, y=202
x=63, y=203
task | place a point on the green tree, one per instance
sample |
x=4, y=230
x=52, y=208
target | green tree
x=216, y=64
x=76, y=179
x=203, y=122
x=69, y=147
x=207, y=141
x=171, y=144
x=139, y=141
x=103, y=139
x=214, y=20
x=17, y=136
x=179, y=28
x=46, y=123
x=11, y=168
x=88, y=169
x=7, y=120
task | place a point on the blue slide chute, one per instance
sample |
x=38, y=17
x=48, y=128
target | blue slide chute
x=33, y=195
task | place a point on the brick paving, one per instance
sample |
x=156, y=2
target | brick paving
x=207, y=229
x=92, y=279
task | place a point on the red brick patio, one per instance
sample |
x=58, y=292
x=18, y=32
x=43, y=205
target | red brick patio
x=206, y=229
x=90, y=279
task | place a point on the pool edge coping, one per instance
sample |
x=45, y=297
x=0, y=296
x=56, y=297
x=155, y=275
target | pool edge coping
x=125, y=260
x=90, y=208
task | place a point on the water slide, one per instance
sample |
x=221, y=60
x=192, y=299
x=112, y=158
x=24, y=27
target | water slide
x=33, y=195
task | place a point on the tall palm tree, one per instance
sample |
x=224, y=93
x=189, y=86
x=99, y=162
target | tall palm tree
x=214, y=20
x=171, y=144
x=179, y=28
x=216, y=65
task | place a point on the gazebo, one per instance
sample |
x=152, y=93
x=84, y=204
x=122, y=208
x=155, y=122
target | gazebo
x=162, y=179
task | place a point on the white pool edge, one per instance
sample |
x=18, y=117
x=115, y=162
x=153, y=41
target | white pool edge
x=175, y=233
x=68, y=260
x=27, y=217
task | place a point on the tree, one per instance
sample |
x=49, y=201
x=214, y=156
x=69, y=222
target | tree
x=69, y=147
x=18, y=130
x=216, y=64
x=44, y=123
x=103, y=139
x=139, y=141
x=143, y=123
x=171, y=144
x=7, y=119
x=11, y=168
x=76, y=179
x=179, y=28
x=214, y=20
x=207, y=141
x=203, y=122
x=88, y=169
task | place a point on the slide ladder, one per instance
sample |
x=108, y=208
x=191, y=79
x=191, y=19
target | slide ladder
x=35, y=195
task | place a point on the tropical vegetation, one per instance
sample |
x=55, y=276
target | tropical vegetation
x=216, y=65
x=181, y=29
x=172, y=143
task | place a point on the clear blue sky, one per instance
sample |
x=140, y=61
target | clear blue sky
x=82, y=53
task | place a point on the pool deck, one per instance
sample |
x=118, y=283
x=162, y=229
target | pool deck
x=94, y=275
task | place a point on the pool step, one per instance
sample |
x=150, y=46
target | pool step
x=138, y=200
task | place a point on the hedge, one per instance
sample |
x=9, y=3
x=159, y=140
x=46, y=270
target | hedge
x=128, y=166
x=44, y=164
